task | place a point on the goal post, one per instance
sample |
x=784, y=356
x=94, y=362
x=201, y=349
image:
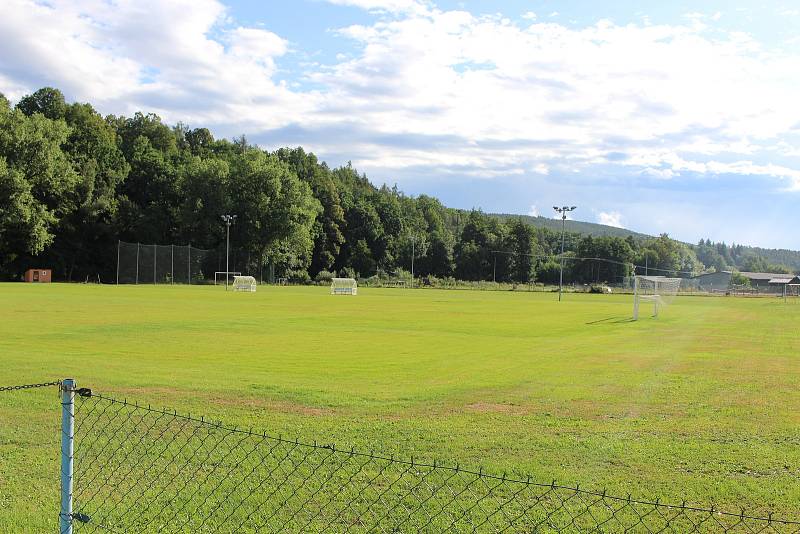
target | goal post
x=220, y=276
x=344, y=286
x=659, y=290
x=244, y=283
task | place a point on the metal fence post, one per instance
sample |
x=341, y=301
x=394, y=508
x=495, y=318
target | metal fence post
x=67, y=448
x=119, y=244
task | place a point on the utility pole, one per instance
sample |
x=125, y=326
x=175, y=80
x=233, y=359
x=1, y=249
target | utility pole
x=228, y=220
x=563, y=212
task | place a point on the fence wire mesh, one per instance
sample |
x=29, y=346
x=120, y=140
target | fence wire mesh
x=139, y=263
x=139, y=469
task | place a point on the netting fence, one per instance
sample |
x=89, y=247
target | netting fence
x=133, y=468
x=139, y=263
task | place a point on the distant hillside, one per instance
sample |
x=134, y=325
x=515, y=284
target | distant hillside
x=788, y=258
x=581, y=227
x=778, y=256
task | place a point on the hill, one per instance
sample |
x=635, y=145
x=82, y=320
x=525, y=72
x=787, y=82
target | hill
x=579, y=227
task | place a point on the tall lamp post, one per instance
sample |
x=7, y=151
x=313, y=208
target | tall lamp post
x=563, y=212
x=413, y=253
x=228, y=220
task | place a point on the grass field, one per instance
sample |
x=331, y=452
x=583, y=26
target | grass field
x=701, y=404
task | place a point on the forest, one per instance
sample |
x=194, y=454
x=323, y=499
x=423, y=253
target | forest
x=73, y=183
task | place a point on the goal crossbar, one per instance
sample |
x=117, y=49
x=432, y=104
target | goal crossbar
x=659, y=290
x=229, y=274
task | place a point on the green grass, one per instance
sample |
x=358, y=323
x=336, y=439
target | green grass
x=701, y=404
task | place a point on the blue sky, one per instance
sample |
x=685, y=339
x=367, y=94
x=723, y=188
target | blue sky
x=678, y=117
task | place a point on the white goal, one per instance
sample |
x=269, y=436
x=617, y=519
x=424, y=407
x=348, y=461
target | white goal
x=344, y=286
x=220, y=276
x=244, y=283
x=659, y=290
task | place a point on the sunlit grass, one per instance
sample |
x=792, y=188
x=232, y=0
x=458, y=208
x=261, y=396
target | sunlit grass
x=701, y=404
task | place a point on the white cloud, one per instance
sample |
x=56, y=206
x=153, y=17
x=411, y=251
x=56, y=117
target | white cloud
x=529, y=15
x=610, y=218
x=393, y=6
x=428, y=88
x=179, y=59
x=533, y=212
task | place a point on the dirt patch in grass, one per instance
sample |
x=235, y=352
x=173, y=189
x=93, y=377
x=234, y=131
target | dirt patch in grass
x=171, y=395
x=491, y=407
x=276, y=406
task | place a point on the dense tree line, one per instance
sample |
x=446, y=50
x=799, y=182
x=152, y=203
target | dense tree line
x=73, y=182
x=719, y=257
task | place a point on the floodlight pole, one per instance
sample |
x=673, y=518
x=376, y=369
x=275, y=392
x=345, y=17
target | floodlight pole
x=563, y=212
x=228, y=220
x=413, y=253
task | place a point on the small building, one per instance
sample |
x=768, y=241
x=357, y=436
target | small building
x=759, y=282
x=786, y=285
x=768, y=282
x=42, y=276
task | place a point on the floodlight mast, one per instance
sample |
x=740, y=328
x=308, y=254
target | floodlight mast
x=563, y=212
x=228, y=220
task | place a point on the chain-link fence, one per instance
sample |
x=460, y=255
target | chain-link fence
x=133, y=468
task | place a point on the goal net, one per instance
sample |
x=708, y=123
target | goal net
x=244, y=283
x=344, y=286
x=221, y=276
x=659, y=290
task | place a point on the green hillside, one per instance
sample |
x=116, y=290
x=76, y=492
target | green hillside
x=580, y=227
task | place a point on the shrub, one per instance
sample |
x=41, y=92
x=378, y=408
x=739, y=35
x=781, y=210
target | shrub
x=348, y=272
x=324, y=277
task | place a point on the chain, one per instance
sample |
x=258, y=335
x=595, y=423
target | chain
x=31, y=386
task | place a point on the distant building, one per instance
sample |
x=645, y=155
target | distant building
x=760, y=282
x=39, y=275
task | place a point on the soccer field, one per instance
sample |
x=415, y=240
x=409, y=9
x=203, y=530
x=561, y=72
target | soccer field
x=701, y=404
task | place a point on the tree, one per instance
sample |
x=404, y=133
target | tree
x=439, y=260
x=204, y=186
x=473, y=251
x=523, y=245
x=25, y=223
x=276, y=211
x=37, y=184
x=327, y=231
x=667, y=257
x=47, y=101
x=85, y=237
x=614, y=259
x=754, y=264
x=200, y=141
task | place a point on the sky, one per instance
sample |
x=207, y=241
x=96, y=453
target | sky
x=678, y=117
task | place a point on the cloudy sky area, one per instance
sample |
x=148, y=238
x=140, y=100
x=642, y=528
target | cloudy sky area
x=679, y=117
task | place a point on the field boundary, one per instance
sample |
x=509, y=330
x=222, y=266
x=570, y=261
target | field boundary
x=131, y=467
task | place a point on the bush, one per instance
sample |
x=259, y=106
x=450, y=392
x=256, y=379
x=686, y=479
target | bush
x=595, y=288
x=299, y=277
x=324, y=277
x=348, y=272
